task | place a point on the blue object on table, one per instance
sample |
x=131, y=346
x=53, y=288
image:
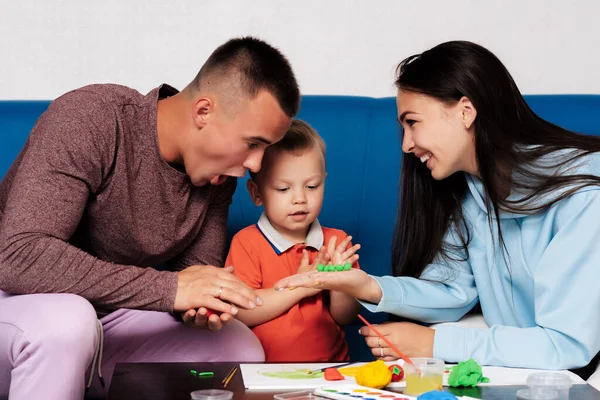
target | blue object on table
x=437, y=395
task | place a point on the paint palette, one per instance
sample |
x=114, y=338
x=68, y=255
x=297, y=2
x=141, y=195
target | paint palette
x=356, y=392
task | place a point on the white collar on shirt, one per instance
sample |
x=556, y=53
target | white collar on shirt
x=280, y=244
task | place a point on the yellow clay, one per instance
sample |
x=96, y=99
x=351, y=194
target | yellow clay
x=417, y=384
x=374, y=375
x=348, y=371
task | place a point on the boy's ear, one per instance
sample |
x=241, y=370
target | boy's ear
x=254, y=192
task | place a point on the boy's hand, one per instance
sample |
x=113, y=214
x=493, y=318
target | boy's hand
x=339, y=255
x=200, y=319
x=306, y=266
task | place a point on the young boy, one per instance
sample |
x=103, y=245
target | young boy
x=299, y=325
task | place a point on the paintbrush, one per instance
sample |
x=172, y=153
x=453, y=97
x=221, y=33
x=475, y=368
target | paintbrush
x=400, y=354
x=314, y=371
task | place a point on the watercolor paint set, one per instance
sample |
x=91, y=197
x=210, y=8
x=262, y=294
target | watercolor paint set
x=343, y=392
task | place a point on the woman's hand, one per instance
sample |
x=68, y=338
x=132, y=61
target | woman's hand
x=411, y=339
x=354, y=282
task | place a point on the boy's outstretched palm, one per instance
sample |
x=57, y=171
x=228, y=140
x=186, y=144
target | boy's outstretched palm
x=309, y=277
x=332, y=254
x=305, y=264
x=341, y=254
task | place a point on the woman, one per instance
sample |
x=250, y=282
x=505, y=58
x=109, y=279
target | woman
x=497, y=206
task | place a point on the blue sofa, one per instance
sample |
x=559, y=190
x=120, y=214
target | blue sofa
x=363, y=160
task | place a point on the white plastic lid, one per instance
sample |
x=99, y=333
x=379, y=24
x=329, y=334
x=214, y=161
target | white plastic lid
x=211, y=394
x=553, y=380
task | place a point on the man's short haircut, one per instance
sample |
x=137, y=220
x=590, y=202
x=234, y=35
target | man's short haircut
x=300, y=138
x=258, y=66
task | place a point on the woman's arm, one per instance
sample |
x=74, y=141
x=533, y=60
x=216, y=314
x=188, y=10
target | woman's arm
x=567, y=302
x=420, y=299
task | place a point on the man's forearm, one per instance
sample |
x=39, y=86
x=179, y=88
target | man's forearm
x=38, y=263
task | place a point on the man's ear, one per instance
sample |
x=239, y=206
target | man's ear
x=202, y=111
x=254, y=192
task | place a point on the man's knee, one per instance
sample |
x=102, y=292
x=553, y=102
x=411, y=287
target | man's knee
x=253, y=353
x=240, y=344
x=65, y=320
x=43, y=332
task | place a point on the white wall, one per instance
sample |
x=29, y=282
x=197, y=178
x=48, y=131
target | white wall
x=336, y=46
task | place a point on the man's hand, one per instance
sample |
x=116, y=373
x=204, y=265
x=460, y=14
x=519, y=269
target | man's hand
x=203, y=287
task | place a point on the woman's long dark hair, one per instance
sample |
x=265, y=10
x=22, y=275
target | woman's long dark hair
x=509, y=141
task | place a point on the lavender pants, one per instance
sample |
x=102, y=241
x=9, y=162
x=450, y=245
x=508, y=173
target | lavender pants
x=47, y=344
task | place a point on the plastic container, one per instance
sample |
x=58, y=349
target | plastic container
x=542, y=381
x=301, y=395
x=212, y=394
x=430, y=378
x=541, y=394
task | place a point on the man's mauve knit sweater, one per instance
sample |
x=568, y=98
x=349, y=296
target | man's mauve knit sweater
x=90, y=207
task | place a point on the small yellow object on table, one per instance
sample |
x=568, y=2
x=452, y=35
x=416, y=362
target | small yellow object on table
x=375, y=375
x=426, y=377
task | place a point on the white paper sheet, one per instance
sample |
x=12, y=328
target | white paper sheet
x=295, y=376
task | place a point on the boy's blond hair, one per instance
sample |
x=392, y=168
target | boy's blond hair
x=298, y=139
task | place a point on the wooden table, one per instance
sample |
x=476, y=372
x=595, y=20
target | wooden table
x=173, y=381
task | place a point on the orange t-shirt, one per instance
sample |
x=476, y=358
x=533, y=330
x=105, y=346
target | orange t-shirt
x=307, y=331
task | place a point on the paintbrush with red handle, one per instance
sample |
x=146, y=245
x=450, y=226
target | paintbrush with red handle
x=400, y=354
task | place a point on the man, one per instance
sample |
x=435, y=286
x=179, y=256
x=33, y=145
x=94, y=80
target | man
x=110, y=186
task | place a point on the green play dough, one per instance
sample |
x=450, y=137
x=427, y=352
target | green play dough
x=334, y=268
x=466, y=373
